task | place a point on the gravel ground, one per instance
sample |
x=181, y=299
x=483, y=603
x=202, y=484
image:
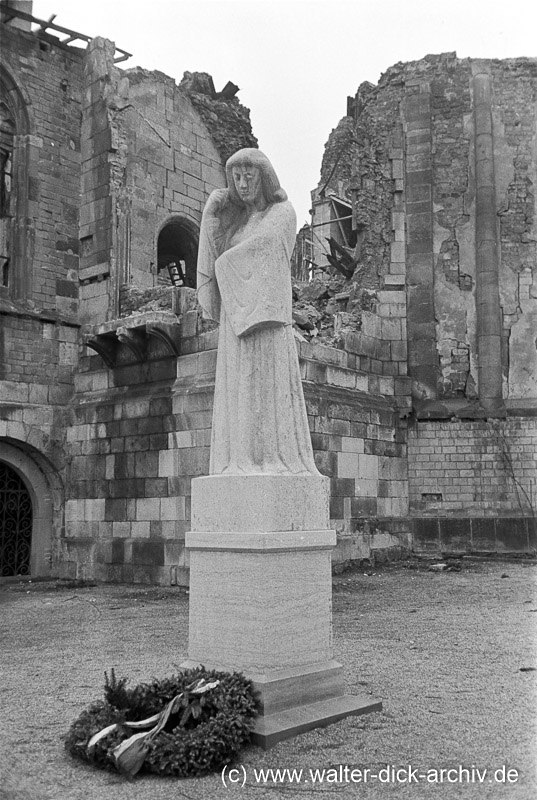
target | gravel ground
x=452, y=655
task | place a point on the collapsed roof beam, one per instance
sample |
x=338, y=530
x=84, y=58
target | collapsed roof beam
x=8, y=13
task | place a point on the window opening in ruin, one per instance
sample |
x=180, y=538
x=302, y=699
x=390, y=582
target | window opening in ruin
x=7, y=129
x=334, y=239
x=342, y=215
x=15, y=220
x=4, y=275
x=177, y=248
x=302, y=262
x=15, y=523
x=6, y=176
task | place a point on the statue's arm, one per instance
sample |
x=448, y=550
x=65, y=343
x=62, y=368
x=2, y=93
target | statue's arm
x=210, y=244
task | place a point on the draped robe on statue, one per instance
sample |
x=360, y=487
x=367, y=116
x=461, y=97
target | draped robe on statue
x=259, y=418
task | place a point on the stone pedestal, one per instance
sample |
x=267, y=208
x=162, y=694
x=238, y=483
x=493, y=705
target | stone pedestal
x=260, y=596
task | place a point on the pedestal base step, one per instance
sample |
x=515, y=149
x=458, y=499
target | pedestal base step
x=277, y=727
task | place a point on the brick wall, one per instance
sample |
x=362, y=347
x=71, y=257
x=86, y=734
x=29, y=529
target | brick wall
x=473, y=485
x=42, y=358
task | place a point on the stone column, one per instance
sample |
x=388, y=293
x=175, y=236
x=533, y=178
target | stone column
x=489, y=321
x=260, y=596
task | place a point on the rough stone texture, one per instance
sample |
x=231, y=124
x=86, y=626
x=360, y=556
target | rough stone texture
x=440, y=166
x=148, y=159
x=338, y=158
x=226, y=119
x=412, y=151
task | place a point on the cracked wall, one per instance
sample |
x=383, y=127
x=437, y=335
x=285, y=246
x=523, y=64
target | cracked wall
x=442, y=184
x=454, y=244
x=516, y=121
x=406, y=156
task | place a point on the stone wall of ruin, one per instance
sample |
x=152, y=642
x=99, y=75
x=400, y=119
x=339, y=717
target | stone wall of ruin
x=41, y=93
x=134, y=454
x=440, y=166
x=412, y=165
x=147, y=158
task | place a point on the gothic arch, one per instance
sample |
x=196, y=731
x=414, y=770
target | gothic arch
x=16, y=232
x=17, y=100
x=46, y=492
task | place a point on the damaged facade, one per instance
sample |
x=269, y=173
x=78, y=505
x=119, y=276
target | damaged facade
x=107, y=368
x=438, y=166
x=105, y=173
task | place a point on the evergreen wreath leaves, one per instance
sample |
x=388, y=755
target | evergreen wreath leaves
x=206, y=734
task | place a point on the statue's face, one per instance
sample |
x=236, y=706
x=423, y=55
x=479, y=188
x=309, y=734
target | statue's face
x=247, y=180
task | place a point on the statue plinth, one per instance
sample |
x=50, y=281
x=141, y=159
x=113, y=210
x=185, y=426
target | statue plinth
x=260, y=596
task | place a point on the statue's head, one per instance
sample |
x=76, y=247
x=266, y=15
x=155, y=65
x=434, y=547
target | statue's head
x=251, y=157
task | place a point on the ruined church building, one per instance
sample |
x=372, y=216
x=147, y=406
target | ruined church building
x=415, y=307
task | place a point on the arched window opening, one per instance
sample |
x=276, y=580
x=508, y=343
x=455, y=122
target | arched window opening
x=16, y=519
x=177, y=249
x=7, y=131
x=16, y=227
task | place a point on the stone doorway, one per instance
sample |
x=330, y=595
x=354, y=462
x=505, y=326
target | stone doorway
x=16, y=520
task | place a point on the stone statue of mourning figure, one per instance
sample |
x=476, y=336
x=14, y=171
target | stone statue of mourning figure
x=259, y=547
x=244, y=282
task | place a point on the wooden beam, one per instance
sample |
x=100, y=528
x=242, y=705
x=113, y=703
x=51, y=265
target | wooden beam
x=9, y=13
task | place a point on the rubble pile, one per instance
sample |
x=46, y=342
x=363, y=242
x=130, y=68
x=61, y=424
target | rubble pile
x=226, y=118
x=134, y=299
x=325, y=309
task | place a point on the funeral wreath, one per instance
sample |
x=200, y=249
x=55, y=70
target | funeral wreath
x=189, y=724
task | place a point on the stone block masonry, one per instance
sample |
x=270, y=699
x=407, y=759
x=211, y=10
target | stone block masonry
x=148, y=159
x=43, y=267
x=472, y=482
x=133, y=455
x=105, y=160
x=446, y=147
x=41, y=89
x=102, y=159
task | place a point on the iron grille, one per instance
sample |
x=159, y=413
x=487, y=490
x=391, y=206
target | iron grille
x=15, y=524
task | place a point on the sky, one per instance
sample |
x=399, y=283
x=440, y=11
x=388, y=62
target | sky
x=297, y=61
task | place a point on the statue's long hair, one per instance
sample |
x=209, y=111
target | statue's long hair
x=251, y=157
